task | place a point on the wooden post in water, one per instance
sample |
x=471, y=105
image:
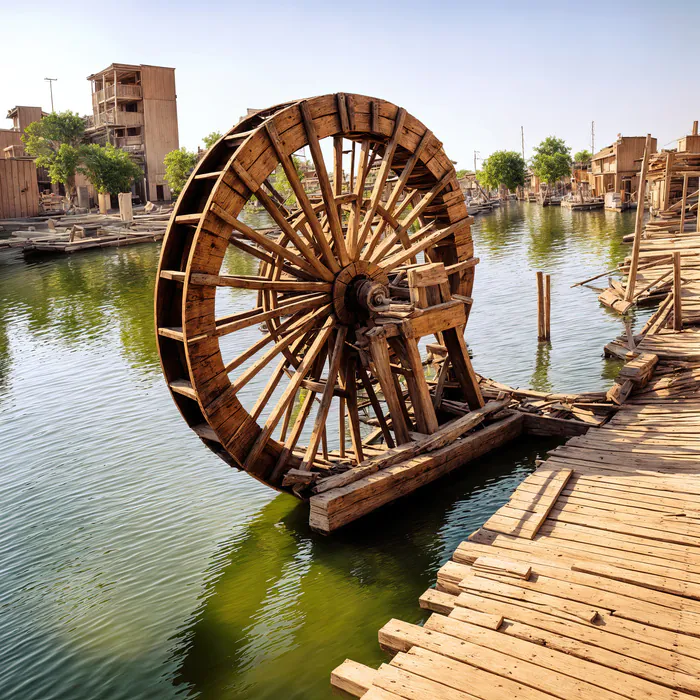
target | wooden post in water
x=543, y=306
x=547, y=305
x=632, y=278
x=677, y=302
x=126, y=212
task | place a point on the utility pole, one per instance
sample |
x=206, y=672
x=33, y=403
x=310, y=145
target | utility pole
x=593, y=138
x=476, y=153
x=51, y=82
x=522, y=140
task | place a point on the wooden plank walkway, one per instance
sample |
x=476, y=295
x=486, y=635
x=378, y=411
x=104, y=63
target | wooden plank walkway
x=587, y=583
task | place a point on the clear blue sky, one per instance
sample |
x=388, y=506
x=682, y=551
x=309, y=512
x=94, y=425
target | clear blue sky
x=472, y=72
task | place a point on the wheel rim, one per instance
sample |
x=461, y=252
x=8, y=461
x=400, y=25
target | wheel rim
x=389, y=197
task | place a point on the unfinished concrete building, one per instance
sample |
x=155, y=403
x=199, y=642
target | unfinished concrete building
x=134, y=107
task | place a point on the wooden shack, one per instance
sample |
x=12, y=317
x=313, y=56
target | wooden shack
x=19, y=191
x=690, y=143
x=11, y=139
x=616, y=167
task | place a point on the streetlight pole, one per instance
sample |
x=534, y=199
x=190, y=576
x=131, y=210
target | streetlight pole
x=51, y=82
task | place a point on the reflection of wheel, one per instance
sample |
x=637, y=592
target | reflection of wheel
x=323, y=279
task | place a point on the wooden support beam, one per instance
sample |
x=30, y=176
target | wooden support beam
x=638, y=224
x=379, y=351
x=462, y=366
x=677, y=293
x=683, y=203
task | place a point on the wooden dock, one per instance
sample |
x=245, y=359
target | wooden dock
x=587, y=583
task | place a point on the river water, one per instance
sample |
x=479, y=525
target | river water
x=136, y=564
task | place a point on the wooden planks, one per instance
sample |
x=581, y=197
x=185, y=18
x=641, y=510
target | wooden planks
x=587, y=583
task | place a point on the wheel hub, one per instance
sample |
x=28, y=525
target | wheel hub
x=359, y=290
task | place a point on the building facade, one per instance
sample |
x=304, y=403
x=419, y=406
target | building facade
x=616, y=168
x=134, y=107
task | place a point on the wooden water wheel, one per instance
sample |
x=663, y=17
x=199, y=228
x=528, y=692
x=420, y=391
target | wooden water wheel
x=368, y=256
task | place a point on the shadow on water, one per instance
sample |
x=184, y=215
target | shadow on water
x=137, y=565
x=288, y=604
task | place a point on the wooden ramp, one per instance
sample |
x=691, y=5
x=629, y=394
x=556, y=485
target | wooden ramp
x=587, y=583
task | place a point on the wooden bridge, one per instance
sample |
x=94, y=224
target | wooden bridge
x=587, y=583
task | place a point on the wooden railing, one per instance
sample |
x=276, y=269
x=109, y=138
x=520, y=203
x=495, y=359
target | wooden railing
x=124, y=91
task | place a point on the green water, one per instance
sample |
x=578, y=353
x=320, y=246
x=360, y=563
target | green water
x=135, y=564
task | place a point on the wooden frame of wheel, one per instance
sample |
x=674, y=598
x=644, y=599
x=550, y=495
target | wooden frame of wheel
x=335, y=253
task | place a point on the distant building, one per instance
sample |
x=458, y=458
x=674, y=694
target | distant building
x=690, y=143
x=616, y=168
x=11, y=144
x=135, y=108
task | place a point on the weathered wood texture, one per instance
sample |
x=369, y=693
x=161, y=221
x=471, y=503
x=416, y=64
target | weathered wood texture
x=587, y=583
x=19, y=192
x=341, y=255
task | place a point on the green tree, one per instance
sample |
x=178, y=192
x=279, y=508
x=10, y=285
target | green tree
x=55, y=142
x=108, y=168
x=178, y=166
x=552, y=160
x=281, y=183
x=583, y=156
x=211, y=139
x=463, y=173
x=502, y=168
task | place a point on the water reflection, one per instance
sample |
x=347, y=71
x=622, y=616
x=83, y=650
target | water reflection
x=513, y=243
x=136, y=564
x=81, y=299
x=288, y=605
x=540, y=377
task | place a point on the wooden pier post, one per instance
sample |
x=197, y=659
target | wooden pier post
x=677, y=301
x=104, y=202
x=547, y=305
x=126, y=212
x=543, y=306
x=683, y=203
x=632, y=278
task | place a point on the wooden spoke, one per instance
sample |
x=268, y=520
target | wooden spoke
x=352, y=167
x=353, y=415
x=274, y=380
x=391, y=246
x=337, y=165
x=302, y=416
x=398, y=191
x=337, y=301
x=355, y=214
x=297, y=329
x=291, y=325
x=400, y=233
x=280, y=218
x=293, y=178
x=261, y=239
x=325, y=184
x=244, y=282
x=425, y=242
x=326, y=399
x=273, y=191
x=245, y=319
x=384, y=170
x=289, y=393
